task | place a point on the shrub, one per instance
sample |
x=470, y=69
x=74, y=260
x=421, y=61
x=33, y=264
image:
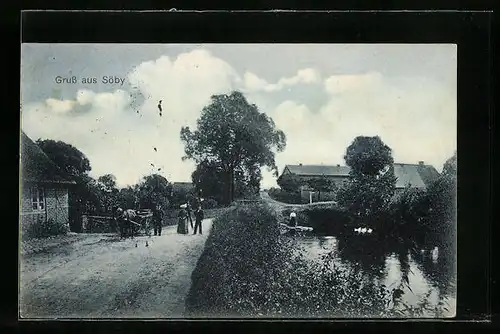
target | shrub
x=45, y=228
x=209, y=203
x=285, y=196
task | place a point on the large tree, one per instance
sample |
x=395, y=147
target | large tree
x=128, y=197
x=371, y=183
x=450, y=166
x=84, y=196
x=234, y=135
x=152, y=190
x=66, y=156
x=442, y=201
x=108, y=191
x=208, y=179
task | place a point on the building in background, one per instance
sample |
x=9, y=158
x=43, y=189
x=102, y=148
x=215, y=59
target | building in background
x=408, y=175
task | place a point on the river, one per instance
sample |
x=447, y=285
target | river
x=431, y=273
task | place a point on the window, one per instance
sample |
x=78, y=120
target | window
x=37, y=199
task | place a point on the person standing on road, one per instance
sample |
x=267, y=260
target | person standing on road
x=157, y=220
x=293, y=219
x=188, y=210
x=120, y=220
x=182, y=225
x=199, y=216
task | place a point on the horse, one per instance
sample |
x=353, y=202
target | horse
x=125, y=220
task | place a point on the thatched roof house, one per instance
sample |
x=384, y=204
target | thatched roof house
x=44, y=186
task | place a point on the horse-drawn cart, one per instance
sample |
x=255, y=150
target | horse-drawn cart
x=137, y=222
x=144, y=222
x=129, y=223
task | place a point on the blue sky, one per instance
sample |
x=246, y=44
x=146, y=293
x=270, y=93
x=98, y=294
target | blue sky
x=321, y=95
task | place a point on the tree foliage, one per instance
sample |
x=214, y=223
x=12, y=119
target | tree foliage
x=154, y=189
x=66, y=156
x=441, y=197
x=84, y=196
x=289, y=183
x=209, y=178
x=108, y=192
x=429, y=216
x=368, y=155
x=371, y=183
x=128, y=197
x=450, y=166
x=232, y=134
x=107, y=182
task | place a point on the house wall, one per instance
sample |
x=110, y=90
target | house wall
x=325, y=196
x=337, y=180
x=56, y=206
x=28, y=215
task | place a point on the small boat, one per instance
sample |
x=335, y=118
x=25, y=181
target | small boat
x=284, y=228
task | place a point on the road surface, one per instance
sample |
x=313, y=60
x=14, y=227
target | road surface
x=103, y=277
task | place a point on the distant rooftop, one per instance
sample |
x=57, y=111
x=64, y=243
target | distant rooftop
x=418, y=175
x=187, y=186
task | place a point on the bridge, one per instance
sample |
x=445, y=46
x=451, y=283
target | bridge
x=264, y=195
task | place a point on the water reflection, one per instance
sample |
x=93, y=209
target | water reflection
x=430, y=274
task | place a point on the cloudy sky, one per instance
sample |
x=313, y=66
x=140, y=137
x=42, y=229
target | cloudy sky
x=321, y=96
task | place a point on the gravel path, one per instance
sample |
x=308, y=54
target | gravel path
x=103, y=277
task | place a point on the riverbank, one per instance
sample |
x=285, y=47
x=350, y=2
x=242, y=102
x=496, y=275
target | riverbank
x=248, y=269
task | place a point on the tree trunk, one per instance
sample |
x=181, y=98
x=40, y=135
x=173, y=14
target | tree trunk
x=229, y=187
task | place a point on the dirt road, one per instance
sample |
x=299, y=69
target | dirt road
x=103, y=277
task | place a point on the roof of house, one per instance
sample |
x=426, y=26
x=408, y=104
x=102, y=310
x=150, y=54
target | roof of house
x=36, y=166
x=182, y=185
x=311, y=170
x=417, y=175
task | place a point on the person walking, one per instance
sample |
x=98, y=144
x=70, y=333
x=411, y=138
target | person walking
x=199, y=216
x=157, y=220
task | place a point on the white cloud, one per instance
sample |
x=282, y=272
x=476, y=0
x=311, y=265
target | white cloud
x=415, y=116
x=120, y=140
x=252, y=83
x=59, y=106
x=352, y=82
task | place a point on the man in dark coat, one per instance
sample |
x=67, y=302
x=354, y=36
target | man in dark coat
x=199, y=215
x=188, y=210
x=157, y=220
